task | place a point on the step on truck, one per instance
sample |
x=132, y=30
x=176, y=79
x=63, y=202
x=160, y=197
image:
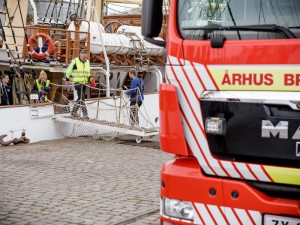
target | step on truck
x=229, y=110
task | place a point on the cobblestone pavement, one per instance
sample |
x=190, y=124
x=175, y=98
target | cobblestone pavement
x=80, y=181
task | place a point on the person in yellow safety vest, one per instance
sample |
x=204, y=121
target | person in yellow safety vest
x=41, y=86
x=79, y=70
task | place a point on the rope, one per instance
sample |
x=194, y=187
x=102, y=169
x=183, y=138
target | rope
x=47, y=12
x=95, y=88
x=14, y=38
x=52, y=13
x=67, y=15
x=112, y=121
x=24, y=97
x=12, y=68
x=26, y=38
x=59, y=11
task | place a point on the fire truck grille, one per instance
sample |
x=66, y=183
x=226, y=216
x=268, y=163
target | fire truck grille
x=255, y=132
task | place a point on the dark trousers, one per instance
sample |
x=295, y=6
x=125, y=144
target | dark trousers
x=80, y=102
x=134, y=112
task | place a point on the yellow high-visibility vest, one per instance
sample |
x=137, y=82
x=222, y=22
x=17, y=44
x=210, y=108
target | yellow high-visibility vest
x=39, y=86
x=81, y=72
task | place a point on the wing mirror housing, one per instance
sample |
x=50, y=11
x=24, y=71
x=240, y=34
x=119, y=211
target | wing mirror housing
x=152, y=18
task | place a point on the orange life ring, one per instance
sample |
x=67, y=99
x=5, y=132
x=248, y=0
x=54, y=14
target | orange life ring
x=40, y=55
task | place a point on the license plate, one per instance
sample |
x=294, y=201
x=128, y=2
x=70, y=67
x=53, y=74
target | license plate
x=280, y=220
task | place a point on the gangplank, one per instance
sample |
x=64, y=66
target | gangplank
x=107, y=130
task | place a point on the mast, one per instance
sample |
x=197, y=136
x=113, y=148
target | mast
x=98, y=4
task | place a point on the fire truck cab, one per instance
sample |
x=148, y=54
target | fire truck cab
x=229, y=110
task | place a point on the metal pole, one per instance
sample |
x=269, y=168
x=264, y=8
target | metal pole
x=104, y=53
x=34, y=11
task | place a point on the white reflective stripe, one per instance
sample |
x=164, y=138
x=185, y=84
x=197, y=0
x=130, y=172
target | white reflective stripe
x=230, y=215
x=32, y=52
x=194, y=100
x=188, y=111
x=230, y=169
x=244, y=170
x=189, y=137
x=258, y=171
x=216, y=214
x=243, y=216
x=161, y=206
x=256, y=216
x=170, y=76
x=195, y=128
x=165, y=216
x=204, y=214
x=206, y=79
x=195, y=80
x=197, y=219
x=196, y=85
x=46, y=53
x=194, y=147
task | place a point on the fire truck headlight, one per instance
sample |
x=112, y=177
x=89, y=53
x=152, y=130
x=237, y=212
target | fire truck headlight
x=178, y=209
x=215, y=125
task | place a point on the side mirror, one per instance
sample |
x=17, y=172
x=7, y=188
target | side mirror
x=152, y=17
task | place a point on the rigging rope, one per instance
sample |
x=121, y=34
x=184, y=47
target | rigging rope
x=52, y=13
x=14, y=38
x=18, y=81
x=78, y=7
x=59, y=11
x=33, y=72
x=67, y=15
x=47, y=12
x=12, y=68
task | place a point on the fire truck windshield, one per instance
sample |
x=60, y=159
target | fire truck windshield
x=239, y=20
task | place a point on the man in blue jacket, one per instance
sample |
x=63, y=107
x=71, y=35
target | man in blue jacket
x=6, y=97
x=136, y=96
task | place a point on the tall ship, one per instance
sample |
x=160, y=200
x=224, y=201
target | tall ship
x=45, y=36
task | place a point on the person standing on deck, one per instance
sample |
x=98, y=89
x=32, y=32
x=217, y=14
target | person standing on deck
x=5, y=91
x=79, y=70
x=41, y=86
x=136, y=94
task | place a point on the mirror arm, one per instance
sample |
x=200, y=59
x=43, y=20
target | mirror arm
x=156, y=42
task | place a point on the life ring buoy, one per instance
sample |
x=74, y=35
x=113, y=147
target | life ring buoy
x=39, y=54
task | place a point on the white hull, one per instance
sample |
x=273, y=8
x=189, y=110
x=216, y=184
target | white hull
x=39, y=124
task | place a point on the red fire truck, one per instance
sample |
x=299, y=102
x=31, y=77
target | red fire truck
x=229, y=110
